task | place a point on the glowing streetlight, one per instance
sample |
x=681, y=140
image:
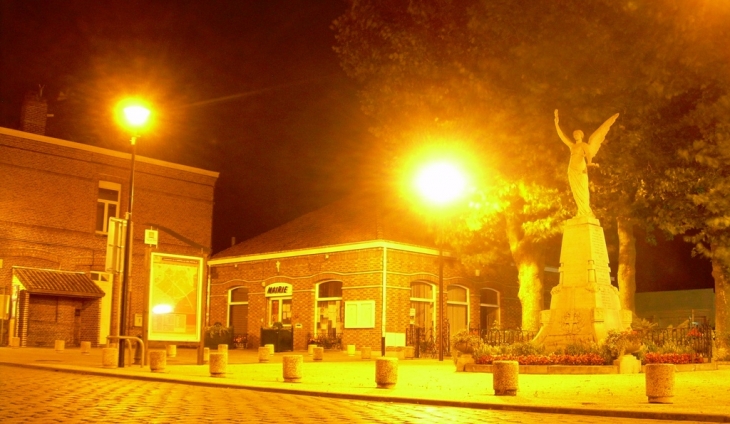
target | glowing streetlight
x=441, y=183
x=133, y=115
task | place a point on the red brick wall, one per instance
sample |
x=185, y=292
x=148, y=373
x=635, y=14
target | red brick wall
x=361, y=274
x=48, y=211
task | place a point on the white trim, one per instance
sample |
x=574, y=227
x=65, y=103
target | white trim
x=327, y=249
x=103, y=151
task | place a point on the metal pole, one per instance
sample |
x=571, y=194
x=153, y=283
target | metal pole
x=441, y=303
x=123, y=299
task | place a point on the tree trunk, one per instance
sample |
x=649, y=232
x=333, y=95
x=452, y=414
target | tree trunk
x=530, y=261
x=626, y=264
x=721, y=275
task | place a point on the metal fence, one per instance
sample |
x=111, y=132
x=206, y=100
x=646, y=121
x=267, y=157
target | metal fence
x=698, y=337
x=496, y=337
x=425, y=341
x=326, y=339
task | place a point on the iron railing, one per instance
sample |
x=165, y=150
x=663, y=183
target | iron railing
x=698, y=337
x=425, y=340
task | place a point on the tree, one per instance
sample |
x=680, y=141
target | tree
x=491, y=73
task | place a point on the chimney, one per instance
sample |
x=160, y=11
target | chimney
x=34, y=112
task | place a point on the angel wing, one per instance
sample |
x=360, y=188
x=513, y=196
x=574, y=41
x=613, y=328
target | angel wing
x=596, y=139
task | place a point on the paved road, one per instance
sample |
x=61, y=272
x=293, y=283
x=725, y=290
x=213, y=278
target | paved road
x=41, y=396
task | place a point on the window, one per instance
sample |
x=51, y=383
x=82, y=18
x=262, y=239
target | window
x=238, y=310
x=329, y=312
x=280, y=310
x=360, y=314
x=422, y=300
x=107, y=205
x=488, y=308
x=457, y=308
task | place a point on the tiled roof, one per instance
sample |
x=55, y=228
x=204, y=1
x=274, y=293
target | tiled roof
x=356, y=218
x=57, y=283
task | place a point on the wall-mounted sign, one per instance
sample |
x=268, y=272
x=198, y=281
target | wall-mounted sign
x=151, y=237
x=278, y=289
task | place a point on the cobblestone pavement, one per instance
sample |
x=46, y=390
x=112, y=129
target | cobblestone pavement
x=42, y=396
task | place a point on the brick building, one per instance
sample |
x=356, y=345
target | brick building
x=363, y=270
x=56, y=199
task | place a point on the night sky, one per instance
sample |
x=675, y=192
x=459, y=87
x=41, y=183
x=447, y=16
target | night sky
x=251, y=89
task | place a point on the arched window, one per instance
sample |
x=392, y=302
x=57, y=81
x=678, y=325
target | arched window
x=457, y=308
x=422, y=301
x=488, y=308
x=329, y=313
x=238, y=310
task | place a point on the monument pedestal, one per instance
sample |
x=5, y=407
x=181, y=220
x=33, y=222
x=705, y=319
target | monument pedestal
x=584, y=305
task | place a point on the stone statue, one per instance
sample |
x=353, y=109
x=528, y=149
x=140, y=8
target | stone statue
x=581, y=157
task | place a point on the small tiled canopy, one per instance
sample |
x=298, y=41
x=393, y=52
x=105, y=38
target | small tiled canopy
x=57, y=283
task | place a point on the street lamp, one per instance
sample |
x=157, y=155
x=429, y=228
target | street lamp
x=134, y=116
x=441, y=183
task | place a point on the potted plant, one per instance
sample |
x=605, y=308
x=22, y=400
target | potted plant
x=240, y=341
x=218, y=334
x=466, y=341
x=620, y=343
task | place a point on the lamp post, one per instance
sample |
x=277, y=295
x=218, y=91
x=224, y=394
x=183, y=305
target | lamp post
x=440, y=183
x=135, y=116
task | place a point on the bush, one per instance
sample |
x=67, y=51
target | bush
x=552, y=359
x=671, y=358
x=466, y=341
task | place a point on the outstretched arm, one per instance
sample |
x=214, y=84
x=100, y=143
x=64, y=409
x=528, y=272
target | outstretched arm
x=560, y=132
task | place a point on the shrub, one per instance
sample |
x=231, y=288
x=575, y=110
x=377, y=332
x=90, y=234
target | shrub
x=466, y=341
x=618, y=342
x=552, y=359
x=671, y=358
x=527, y=349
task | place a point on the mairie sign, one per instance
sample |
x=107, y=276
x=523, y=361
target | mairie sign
x=278, y=289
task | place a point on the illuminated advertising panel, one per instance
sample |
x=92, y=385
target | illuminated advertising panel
x=174, y=300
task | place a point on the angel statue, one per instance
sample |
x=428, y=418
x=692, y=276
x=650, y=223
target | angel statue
x=581, y=156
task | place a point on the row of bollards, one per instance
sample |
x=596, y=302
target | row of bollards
x=659, y=380
x=505, y=374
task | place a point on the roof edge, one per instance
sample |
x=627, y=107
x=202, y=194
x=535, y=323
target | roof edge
x=103, y=151
x=327, y=249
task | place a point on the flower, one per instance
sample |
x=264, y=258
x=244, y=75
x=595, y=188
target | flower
x=240, y=338
x=694, y=333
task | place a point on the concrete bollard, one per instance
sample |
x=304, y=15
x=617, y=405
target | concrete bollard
x=310, y=349
x=386, y=372
x=171, y=351
x=660, y=383
x=271, y=349
x=264, y=354
x=409, y=352
x=366, y=352
x=60, y=345
x=109, y=357
x=318, y=353
x=223, y=348
x=206, y=355
x=85, y=348
x=504, y=377
x=292, y=367
x=158, y=360
x=351, y=350
x=218, y=364
x=15, y=342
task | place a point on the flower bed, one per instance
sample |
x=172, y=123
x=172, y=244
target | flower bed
x=583, y=359
x=672, y=358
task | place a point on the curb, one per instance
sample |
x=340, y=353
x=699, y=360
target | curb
x=666, y=416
